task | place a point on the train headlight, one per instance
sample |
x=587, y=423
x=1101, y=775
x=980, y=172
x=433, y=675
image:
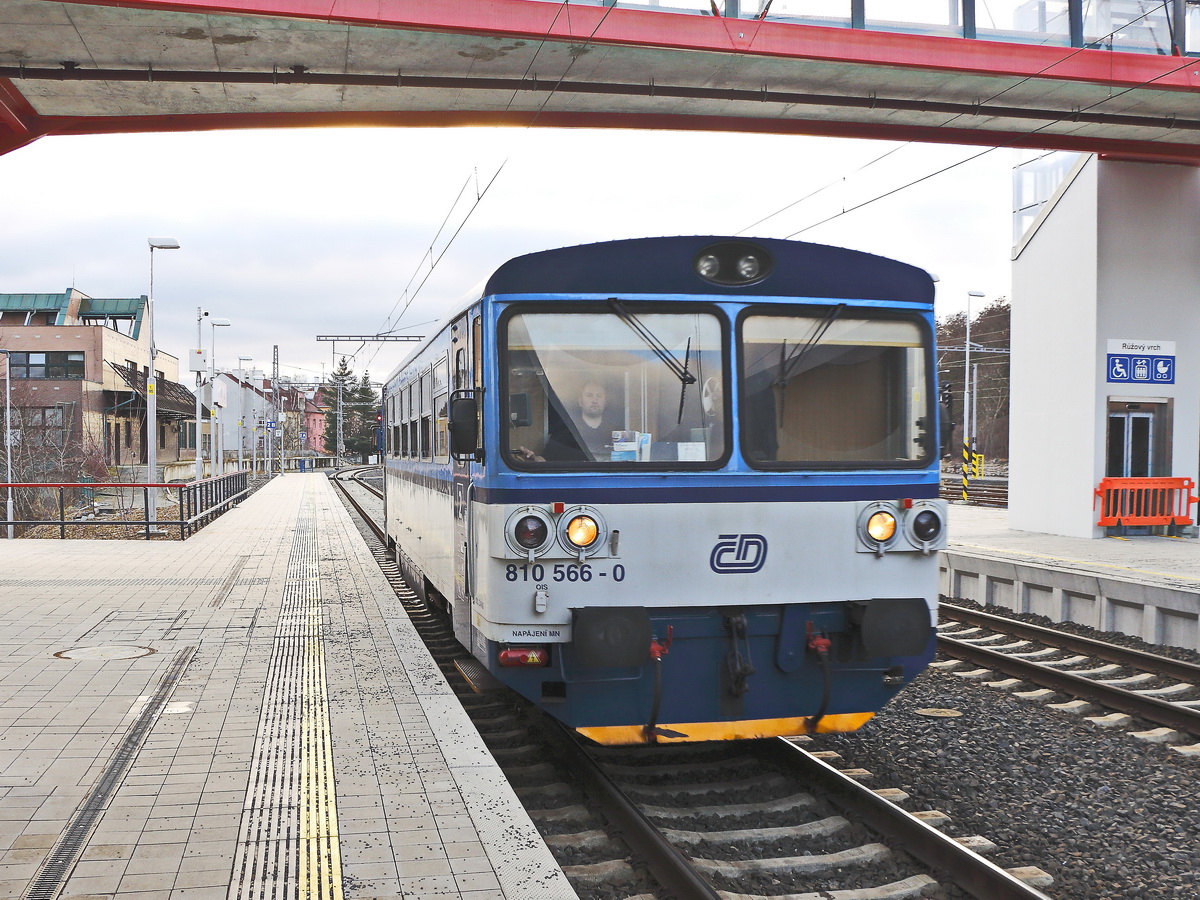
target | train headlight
x=881, y=526
x=748, y=267
x=926, y=525
x=708, y=265
x=528, y=531
x=734, y=263
x=582, y=531
x=878, y=527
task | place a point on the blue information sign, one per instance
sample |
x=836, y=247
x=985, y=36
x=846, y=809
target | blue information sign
x=1133, y=368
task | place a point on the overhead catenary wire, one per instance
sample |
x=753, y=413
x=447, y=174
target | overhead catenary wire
x=408, y=298
x=1066, y=57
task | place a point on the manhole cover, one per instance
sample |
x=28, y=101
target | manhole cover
x=108, y=651
x=939, y=713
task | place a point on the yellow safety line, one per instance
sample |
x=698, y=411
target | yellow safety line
x=320, y=869
x=1078, y=562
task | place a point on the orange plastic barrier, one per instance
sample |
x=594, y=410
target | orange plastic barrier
x=1145, y=501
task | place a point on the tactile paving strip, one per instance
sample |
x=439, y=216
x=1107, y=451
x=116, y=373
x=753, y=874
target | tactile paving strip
x=288, y=842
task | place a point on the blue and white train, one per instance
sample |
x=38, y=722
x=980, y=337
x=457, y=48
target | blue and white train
x=679, y=489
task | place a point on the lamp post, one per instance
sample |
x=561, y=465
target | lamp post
x=8, y=429
x=241, y=429
x=199, y=368
x=214, y=430
x=152, y=385
x=967, y=399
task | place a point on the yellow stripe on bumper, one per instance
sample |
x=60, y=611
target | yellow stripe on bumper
x=723, y=731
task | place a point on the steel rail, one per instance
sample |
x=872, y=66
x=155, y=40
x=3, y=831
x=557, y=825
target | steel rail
x=1161, y=712
x=358, y=479
x=1122, y=656
x=668, y=866
x=375, y=527
x=979, y=877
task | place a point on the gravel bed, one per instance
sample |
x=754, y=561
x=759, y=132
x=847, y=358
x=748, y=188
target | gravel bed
x=1106, y=815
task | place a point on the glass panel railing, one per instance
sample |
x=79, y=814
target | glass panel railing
x=833, y=13
x=1036, y=176
x=915, y=16
x=1024, y=21
x=1140, y=26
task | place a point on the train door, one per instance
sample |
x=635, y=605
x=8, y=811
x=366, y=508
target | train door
x=467, y=375
x=1138, y=440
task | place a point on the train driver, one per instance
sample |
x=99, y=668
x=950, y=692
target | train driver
x=588, y=436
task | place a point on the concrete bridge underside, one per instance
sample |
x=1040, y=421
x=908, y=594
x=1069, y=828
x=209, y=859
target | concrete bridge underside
x=93, y=66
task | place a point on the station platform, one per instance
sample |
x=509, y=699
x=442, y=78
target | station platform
x=1146, y=586
x=246, y=714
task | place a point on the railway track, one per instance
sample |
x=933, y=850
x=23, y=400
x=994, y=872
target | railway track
x=738, y=821
x=987, y=491
x=1145, y=686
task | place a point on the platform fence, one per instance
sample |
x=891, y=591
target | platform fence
x=85, y=507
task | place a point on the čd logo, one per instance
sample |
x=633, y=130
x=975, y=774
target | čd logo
x=738, y=553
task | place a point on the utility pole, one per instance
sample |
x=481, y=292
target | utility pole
x=341, y=444
x=277, y=404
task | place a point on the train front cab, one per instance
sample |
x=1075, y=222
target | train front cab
x=741, y=572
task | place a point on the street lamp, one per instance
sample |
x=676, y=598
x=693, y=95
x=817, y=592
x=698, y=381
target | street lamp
x=152, y=384
x=241, y=429
x=215, y=428
x=8, y=430
x=199, y=366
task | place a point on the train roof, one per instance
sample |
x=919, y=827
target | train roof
x=666, y=265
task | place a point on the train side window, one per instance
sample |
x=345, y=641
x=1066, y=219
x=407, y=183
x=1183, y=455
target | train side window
x=442, y=427
x=477, y=351
x=460, y=370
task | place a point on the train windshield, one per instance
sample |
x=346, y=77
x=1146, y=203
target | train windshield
x=618, y=388
x=834, y=387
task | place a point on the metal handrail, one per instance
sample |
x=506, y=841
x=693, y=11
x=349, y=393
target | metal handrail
x=199, y=502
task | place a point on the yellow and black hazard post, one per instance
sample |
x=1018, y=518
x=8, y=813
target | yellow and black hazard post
x=966, y=469
x=977, y=461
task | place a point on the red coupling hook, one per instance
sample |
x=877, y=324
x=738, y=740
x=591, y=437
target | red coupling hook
x=657, y=650
x=818, y=643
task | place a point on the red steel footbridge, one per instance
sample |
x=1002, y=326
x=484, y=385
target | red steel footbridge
x=1116, y=77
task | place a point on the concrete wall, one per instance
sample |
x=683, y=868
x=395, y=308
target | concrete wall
x=1156, y=613
x=1112, y=256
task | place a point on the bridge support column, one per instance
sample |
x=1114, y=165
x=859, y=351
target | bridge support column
x=1105, y=340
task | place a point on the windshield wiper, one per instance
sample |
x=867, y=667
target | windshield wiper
x=660, y=350
x=651, y=340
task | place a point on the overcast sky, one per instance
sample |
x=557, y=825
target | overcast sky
x=299, y=232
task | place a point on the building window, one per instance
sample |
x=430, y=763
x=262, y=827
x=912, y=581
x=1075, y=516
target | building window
x=41, y=426
x=59, y=364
